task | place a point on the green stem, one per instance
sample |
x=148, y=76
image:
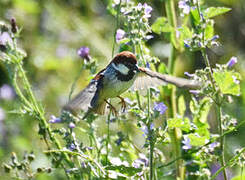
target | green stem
x=176, y=133
x=217, y=102
x=222, y=140
x=117, y=24
x=150, y=136
x=40, y=113
x=229, y=163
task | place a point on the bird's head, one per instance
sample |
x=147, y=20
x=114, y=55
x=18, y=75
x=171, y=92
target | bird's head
x=125, y=62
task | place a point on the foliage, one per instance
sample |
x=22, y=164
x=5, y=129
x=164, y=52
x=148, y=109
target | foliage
x=174, y=130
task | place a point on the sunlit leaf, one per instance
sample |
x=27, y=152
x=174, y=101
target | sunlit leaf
x=215, y=11
x=182, y=123
x=181, y=105
x=161, y=25
x=228, y=82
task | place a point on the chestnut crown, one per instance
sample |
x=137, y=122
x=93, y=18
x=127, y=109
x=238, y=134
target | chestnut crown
x=125, y=57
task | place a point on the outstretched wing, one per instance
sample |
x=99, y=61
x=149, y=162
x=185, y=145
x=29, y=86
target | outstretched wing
x=147, y=78
x=86, y=99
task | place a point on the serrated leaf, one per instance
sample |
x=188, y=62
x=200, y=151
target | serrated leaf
x=161, y=25
x=228, y=82
x=196, y=140
x=215, y=11
x=182, y=123
x=181, y=105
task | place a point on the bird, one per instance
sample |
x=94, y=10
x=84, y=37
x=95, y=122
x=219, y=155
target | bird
x=121, y=74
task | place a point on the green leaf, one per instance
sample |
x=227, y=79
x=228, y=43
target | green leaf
x=161, y=25
x=196, y=140
x=228, y=82
x=185, y=32
x=209, y=30
x=195, y=18
x=215, y=11
x=203, y=110
x=181, y=105
x=183, y=124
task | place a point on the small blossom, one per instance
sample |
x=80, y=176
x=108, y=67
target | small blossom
x=186, y=143
x=152, y=126
x=215, y=37
x=5, y=39
x=83, y=52
x=2, y=114
x=72, y=147
x=72, y=125
x=139, y=6
x=147, y=10
x=148, y=37
x=188, y=74
x=160, y=107
x=144, y=129
x=235, y=80
x=14, y=27
x=120, y=34
x=184, y=5
x=231, y=62
x=141, y=161
x=148, y=65
x=195, y=92
x=54, y=119
x=186, y=44
x=7, y=92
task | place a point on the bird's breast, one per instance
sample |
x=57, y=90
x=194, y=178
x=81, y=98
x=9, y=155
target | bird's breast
x=113, y=85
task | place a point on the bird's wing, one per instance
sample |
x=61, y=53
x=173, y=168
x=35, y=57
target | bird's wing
x=147, y=78
x=87, y=98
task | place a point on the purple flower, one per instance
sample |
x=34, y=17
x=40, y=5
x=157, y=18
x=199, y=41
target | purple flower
x=195, y=92
x=186, y=45
x=72, y=125
x=54, y=119
x=5, y=39
x=160, y=107
x=215, y=37
x=83, y=52
x=144, y=129
x=183, y=4
x=148, y=65
x=120, y=34
x=72, y=147
x=186, y=143
x=7, y=92
x=188, y=74
x=147, y=10
x=2, y=114
x=231, y=62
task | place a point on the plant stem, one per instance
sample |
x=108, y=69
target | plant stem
x=176, y=133
x=150, y=136
x=40, y=114
x=218, y=114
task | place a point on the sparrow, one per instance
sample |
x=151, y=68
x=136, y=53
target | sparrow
x=119, y=75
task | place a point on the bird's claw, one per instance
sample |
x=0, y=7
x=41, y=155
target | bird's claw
x=123, y=103
x=113, y=109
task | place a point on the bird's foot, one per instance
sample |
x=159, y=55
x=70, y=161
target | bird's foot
x=123, y=103
x=113, y=109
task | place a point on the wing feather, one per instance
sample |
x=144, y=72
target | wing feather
x=86, y=99
x=147, y=78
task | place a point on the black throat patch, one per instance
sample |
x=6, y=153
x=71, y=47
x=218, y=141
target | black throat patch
x=123, y=77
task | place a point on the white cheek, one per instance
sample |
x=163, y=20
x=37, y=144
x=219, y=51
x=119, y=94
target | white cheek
x=121, y=68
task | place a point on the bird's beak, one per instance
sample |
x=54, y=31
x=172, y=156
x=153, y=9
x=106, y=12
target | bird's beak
x=136, y=68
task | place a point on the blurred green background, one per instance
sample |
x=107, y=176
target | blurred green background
x=54, y=30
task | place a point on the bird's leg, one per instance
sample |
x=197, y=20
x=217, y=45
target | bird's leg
x=113, y=109
x=123, y=103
